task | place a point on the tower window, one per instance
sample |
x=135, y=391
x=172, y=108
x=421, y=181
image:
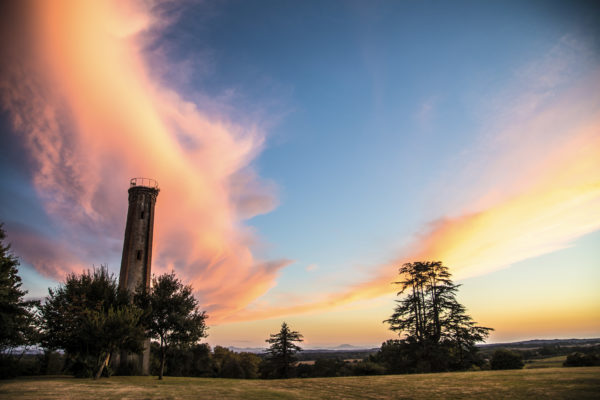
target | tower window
x=139, y=254
x=142, y=215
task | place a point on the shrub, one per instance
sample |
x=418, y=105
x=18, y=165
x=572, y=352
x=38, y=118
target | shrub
x=581, y=360
x=506, y=359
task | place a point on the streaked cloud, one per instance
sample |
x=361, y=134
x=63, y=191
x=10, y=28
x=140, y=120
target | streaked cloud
x=92, y=114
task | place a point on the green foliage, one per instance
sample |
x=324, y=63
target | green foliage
x=229, y=364
x=171, y=314
x=367, y=368
x=437, y=334
x=330, y=367
x=396, y=356
x=17, y=316
x=506, y=359
x=198, y=360
x=90, y=318
x=280, y=355
x=581, y=360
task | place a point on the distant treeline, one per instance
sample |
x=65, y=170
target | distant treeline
x=202, y=361
x=311, y=355
x=552, y=350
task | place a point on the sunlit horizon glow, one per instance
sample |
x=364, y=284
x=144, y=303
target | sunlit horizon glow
x=91, y=100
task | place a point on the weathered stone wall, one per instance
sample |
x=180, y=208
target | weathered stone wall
x=136, y=260
x=137, y=246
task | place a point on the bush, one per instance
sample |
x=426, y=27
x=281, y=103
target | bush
x=581, y=360
x=506, y=359
x=367, y=368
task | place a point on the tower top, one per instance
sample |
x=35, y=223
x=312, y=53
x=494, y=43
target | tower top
x=143, y=182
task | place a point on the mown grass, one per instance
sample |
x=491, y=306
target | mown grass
x=554, y=383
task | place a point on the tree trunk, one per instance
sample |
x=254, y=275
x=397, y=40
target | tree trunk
x=99, y=372
x=162, y=360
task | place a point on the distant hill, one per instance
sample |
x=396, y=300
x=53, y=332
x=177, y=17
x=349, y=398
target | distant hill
x=347, y=348
x=342, y=348
x=255, y=350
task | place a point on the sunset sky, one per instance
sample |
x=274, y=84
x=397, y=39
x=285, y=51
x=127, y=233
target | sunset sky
x=306, y=149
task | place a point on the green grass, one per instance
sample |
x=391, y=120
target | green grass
x=549, y=362
x=555, y=383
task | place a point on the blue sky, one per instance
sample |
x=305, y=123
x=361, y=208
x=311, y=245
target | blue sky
x=381, y=125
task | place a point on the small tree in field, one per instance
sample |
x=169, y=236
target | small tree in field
x=281, y=352
x=172, y=314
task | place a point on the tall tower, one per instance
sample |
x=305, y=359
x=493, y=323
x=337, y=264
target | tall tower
x=136, y=261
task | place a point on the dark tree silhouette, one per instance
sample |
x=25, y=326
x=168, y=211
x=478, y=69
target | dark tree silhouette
x=506, y=359
x=17, y=317
x=172, y=314
x=90, y=318
x=437, y=333
x=281, y=352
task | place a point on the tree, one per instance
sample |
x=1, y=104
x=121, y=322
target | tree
x=172, y=314
x=437, y=333
x=506, y=359
x=280, y=355
x=17, y=316
x=578, y=359
x=90, y=318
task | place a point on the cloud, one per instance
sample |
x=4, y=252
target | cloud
x=530, y=187
x=92, y=114
x=311, y=267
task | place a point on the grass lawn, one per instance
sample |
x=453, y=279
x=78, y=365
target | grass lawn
x=544, y=383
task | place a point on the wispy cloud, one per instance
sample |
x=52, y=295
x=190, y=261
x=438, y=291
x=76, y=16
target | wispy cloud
x=91, y=114
x=311, y=267
x=426, y=112
x=533, y=185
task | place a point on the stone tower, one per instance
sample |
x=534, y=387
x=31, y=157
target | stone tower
x=136, y=261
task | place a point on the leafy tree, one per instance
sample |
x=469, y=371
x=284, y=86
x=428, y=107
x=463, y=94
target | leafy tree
x=280, y=355
x=396, y=356
x=172, y=314
x=229, y=364
x=249, y=363
x=578, y=359
x=367, y=368
x=90, y=318
x=17, y=324
x=436, y=332
x=506, y=359
x=328, y=367
x=194, y=360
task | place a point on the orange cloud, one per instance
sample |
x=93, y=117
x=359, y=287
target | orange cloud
x=552, y=199
x=92, y=116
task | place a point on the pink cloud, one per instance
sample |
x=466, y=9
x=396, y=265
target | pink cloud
x=92, y=115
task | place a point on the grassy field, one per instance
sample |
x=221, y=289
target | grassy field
x=550, y=362
x=554, y=383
